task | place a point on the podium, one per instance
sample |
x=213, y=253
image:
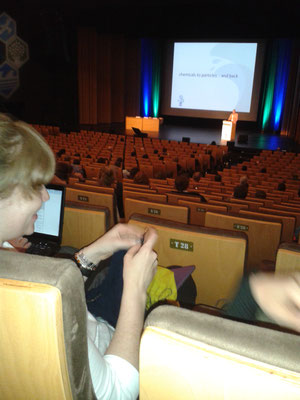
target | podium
x=228, y=131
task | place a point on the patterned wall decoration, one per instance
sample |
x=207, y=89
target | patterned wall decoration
x=13, y=54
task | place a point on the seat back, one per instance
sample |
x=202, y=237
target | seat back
x=84, y=197
x=43, y=342
x=218, y=255
x=263, y=236
x=197, y=211
x=195, y=356
x=83, y=225
x=144, y=196
x=165, y=211
x=288, y=258
x=288, y=223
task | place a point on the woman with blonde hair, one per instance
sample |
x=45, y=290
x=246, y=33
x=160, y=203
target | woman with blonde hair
x=26, y=165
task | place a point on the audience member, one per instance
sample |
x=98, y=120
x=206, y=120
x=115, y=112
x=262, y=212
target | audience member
x=218, y=178
x=281, y=186
x=244, y=181
x=116, y=167
x=133, y=172
x=240, y=192
x=244, y=168
x=106, y=177
x=268, y=297
x=102, y=160
x=263, y=170
x=181, y=185
x=62, y=173
x=113, y=353
x=141, y=178
x=78, y=170
x=197, y=176
x=260, y=194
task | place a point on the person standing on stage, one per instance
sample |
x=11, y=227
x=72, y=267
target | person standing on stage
x=233, y=117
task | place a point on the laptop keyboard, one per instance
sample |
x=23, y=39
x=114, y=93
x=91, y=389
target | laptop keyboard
x=43, y=248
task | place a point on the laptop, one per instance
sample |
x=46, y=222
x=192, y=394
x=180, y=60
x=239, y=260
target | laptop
x=138, y=132
x=47, y=236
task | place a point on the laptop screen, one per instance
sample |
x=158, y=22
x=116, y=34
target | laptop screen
x=48, y=220
x=49, y=223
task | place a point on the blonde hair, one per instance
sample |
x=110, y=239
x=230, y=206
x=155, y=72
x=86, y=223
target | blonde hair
x=26, y=160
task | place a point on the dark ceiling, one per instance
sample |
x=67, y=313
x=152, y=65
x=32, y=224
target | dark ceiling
x=199, y=19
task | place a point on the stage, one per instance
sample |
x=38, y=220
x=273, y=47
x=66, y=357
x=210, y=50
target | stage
x=206, y=131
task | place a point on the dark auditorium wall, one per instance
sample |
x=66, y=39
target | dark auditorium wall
x=108, y=77
x=95, y=83
x=48, y=81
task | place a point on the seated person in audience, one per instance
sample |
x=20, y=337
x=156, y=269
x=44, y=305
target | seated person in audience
x=268, y=297
x=218, y=178
x=62, y=173
x=181, y=185
x=244, y=168
x=106, y=177
x=281, y=186
x=102, y=160
x=133, y=172
x=240, y=192
x=260, y=194
x=141, y=178
x=197, y=176
x=244, y=181
x=78, y=171
x=116, y=167
x=113, y=353
x=263, y=170
x=60, y=153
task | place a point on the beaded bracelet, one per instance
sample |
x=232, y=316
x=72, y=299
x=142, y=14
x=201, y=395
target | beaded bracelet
x=85, y=266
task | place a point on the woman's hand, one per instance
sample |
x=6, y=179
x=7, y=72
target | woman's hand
x=21, y=244
x=120, y=237
x=278, y=295
x=140, y=263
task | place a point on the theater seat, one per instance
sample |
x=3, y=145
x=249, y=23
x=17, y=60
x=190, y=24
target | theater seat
x=288, y=258
x=43, y=340
x=195, y=356
x=218, y=255
x=84, y=224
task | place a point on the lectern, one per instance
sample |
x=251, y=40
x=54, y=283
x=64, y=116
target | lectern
x=228, y=130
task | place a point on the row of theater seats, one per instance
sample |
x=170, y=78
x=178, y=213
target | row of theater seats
x=90, y=213
x=183, y=354
x=88, y=146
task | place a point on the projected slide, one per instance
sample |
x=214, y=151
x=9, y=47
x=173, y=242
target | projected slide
x=213, y=76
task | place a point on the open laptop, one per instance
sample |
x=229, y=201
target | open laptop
x=138, y=132
x=47, y=236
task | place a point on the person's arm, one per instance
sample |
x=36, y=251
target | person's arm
x=243, y=306
x=278, y=295
x=140, y=264
x=120, y=237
